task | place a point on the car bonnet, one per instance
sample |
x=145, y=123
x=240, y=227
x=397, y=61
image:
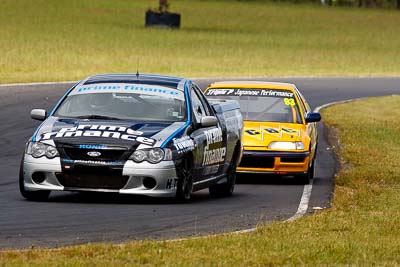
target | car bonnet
x=130, y=134
x=261, y=134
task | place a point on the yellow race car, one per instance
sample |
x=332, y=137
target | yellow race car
x=280, y=133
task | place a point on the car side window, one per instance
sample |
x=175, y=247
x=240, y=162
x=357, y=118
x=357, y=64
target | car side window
x=203, y=101
x=197, y=106
x=301, y=105
x=303, y=102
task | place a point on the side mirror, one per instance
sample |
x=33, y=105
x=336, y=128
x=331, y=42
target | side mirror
x=209, y=121
x=313, y=117
x=39, y=114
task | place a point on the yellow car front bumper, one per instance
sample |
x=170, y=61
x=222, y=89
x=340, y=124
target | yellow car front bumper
x=282, y=163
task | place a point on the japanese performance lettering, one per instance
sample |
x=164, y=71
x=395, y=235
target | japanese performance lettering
x=250, y=92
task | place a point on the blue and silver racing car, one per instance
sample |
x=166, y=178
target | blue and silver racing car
x=134, y=134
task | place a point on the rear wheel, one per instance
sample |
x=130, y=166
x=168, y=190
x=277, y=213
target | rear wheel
x=185, y=181
x=40, y=195
x=226, y=189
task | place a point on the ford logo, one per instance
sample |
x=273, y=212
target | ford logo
x=93, y=154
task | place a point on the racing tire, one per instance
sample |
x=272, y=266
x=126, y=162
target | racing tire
x=305, y=178
x=185, y=181
x=40, y=195
x=226, y=189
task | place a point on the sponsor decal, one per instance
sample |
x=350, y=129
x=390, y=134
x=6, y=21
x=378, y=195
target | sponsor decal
x=214, y=156
x=213, y=136
x=278, y=93
x=95, y=130
x=250, y=92
x=183, y=144
x=171, y=183
x=98, y=162
x=129, y=88
x=210, y=169
x=217, y=92
x=277, y=132
x=289, y=102
x=92, y=147
x=217, y=155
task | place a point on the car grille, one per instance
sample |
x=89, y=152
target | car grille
x=92, y=181
x=257, y=162
x=106, y=154
x=98, y=177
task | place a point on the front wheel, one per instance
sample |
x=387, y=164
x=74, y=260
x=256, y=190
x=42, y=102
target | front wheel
x=305, y=178
x=185, y=181
x=40, y=195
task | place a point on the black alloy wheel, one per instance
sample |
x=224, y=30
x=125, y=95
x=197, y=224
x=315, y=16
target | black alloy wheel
x=305, y=178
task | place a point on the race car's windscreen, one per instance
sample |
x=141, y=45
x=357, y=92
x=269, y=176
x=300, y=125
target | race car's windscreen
x=262, y=104
x=124, y=102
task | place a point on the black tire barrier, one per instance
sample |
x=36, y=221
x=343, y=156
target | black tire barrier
x=165, y=19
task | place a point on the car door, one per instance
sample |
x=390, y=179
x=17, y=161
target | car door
x=210, y=151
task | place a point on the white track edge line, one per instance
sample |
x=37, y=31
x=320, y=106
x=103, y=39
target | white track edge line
x=304, y=201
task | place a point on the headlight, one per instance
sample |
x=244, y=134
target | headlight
x=38, y=149
x=152, y=155
x=286, y=145
x=51, y=152
x=155, y=155
x=139, y=155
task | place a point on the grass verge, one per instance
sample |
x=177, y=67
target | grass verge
x=69, y=39
x=361, y=228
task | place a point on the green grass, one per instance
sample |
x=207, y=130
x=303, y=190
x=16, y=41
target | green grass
x=361, y=228
x=47, y=40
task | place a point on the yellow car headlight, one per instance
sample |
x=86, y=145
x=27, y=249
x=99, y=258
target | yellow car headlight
x=280, y=145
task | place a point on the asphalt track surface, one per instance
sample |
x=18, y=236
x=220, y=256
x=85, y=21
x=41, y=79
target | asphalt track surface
x=73, y=218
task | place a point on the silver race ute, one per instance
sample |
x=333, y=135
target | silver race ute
x=134, y=134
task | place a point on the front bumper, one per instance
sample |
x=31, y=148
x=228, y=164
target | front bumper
x=163, y=173
x=274, y=162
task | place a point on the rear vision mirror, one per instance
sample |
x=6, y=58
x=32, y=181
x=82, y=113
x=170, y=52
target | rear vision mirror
x=39, y=114
x=209, y=121
x=313, y=117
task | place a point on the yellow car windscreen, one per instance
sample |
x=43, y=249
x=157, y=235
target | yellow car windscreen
x=267, y=105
